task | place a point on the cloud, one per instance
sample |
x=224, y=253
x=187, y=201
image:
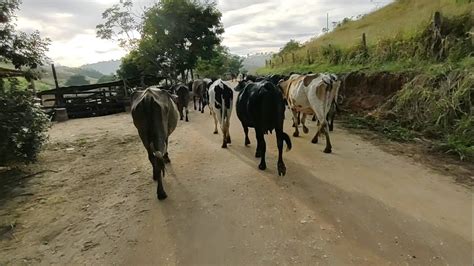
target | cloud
x=266, y=26
x=251, y=26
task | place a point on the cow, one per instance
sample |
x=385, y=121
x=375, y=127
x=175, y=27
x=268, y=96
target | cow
x=261, y=106
x=183, y=100
x=199, y=89
x=220, y=104
x=155, y=116
x=311, y=94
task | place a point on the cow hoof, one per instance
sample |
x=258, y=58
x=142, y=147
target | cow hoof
x=162, y=196
x=229, y=141
x=331, y=128
x=202, y=112
x=247, y=142
x=314, y=141
x=181, y=119
x=215, y=132
x=281, y=169
x=187, y=120
x=305, y=130
x=296, y=134
x=327, y=150
x=224, y=146
x=262, y=166
x=154, y=178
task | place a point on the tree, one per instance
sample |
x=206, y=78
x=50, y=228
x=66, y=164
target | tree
x=23, y=124
x=174, y=35
x=76, y=80
x=19, y=48
x=121, y=24
x=107, y=78
x=290, y=46
x=222, y=62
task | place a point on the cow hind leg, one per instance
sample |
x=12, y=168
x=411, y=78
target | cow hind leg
x=215, y=122
x=328, y=148
x=296, y=122
x=303, y=122
x=160, y=191
x=261, y=140
x=187, y=112
x=224, y=139
x=246, y=131
x=152, y=159
x=316, y=136
x=281, y=165
x=194, y=103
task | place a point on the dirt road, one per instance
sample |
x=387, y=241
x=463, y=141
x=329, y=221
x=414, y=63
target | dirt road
x=93, y=201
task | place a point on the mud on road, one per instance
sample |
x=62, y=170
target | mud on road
x=92, y=200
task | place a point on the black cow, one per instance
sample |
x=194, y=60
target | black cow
x=155, y=116
x=261, y=106
x=183, y=100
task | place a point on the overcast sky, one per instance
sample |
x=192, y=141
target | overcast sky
x=251, y=26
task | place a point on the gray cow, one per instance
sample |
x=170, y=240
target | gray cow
x=155, y=116
x=200, y=93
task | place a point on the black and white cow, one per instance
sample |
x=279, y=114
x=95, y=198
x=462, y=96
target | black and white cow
x=261, y=106
x=220, y=104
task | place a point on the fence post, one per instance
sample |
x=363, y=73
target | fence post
x=364, y=41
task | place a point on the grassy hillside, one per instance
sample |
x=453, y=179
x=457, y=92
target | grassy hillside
x=402, y=16
x=402, y=22
x=47, y=81
x=105, y=67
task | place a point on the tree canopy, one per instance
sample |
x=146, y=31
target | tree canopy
x=77, y=80
x=175, y=35
x=19, y=48
x=290, y=46
x=221, y=63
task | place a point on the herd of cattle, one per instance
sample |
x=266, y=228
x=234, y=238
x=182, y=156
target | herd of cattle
x=260, y=104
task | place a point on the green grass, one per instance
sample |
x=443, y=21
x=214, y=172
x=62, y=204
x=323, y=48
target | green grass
x=402, y=16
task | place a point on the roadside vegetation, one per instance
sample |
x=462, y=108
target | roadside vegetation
x=23, y=125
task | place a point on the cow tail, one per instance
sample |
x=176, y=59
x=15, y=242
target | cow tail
x=223, y=108
x=149, y=108
x=287, y=140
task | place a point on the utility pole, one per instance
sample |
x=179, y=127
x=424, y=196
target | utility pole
x=327, y=21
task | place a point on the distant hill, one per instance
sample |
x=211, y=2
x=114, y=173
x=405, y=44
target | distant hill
x=256, y=61
x=106, y=67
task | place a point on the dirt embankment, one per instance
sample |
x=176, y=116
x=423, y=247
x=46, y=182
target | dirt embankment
x=365, y=92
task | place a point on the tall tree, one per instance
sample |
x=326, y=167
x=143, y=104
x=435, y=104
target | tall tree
x=121, y=24
x=174, y=35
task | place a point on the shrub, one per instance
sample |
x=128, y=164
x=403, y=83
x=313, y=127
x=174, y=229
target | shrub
x=23, y=127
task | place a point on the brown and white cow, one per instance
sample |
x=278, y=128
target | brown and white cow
x=311, y=94
x=155, y=116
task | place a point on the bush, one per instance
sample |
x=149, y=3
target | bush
x=23, y=127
